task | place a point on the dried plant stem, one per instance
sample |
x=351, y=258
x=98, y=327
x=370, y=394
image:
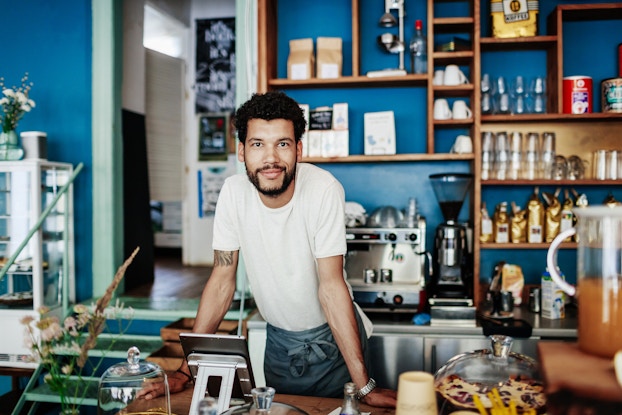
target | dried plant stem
x=99, y=317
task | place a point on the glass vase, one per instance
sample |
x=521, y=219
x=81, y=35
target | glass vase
x=10, y=146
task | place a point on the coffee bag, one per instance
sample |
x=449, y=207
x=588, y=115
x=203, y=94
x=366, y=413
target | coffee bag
x=300, y=62
x=329, y=57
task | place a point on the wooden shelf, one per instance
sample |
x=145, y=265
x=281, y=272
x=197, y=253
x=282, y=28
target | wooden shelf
x=352, y=82
x=525, y=245
x=597, y=116
x=453, y=24
x=548, y=182
x=517, y=43
x=583, y=12
x=453, y=91
x=453, y=123
x=458, y=57
x=390, y=158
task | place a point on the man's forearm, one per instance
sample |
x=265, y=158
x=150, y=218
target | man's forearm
x=339, y=311
x=217, y=294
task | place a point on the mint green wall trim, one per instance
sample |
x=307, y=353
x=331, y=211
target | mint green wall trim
x=107, y=144
x=245, y=80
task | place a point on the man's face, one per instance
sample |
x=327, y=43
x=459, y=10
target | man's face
x=270, y=156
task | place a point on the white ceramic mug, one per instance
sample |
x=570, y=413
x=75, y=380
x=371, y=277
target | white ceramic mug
x=439, y=77
x=461, y=111
x=441, y=109
x=416, y=394
x=462, y=145
x=454, y=76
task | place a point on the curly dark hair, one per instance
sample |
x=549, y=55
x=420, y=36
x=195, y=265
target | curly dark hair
x=272, y=105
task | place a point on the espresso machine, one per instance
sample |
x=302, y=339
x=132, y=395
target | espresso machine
x=385, y=266
x=450, y=289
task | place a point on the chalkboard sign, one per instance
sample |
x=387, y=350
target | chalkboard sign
x=321, y=119
x=215, y=65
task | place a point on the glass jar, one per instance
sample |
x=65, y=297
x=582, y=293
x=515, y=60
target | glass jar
x=119, y=387
x=482, y=375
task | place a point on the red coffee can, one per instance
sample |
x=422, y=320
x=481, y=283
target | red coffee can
x=577, y=94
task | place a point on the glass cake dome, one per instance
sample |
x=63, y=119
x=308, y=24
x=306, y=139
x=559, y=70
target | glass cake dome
x=490, y=377
x=120, y=387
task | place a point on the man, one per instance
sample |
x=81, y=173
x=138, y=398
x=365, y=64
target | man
x=287, y=220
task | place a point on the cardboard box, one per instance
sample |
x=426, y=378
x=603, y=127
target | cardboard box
x=379, y=132
x=340, y=116
x=553, y=299
x=514, y=18
x=315, y=143
x=335, y=143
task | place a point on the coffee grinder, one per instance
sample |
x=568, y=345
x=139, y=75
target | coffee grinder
x=449, y=293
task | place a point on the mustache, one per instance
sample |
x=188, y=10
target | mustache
x=270, y=167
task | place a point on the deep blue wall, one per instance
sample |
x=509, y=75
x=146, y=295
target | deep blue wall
x=52, y=42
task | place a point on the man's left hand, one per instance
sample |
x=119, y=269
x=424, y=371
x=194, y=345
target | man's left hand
x=381, y=398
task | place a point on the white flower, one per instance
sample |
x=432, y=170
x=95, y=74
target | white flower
x=9, y=93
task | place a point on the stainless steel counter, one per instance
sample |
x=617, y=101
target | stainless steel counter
x=395, y=324
x=398, y=345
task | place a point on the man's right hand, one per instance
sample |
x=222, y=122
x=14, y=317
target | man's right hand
x=177, y=382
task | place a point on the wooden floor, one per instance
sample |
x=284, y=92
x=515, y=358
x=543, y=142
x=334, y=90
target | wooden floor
x=172, y=279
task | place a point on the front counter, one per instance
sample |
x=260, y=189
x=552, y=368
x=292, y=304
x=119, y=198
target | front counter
x=180, y=404
x=397, y=345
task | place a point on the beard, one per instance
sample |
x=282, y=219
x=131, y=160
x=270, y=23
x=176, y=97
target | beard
x=274, y=191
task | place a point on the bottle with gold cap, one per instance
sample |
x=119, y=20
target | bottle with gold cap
x=535, y=218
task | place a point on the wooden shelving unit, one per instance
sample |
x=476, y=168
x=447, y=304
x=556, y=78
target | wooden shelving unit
x=583, y=131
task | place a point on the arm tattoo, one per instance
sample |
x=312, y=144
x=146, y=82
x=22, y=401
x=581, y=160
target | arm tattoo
x=223, y=258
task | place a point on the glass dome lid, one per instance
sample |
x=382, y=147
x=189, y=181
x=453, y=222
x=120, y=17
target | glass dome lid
x=122, y=386
x=489, y=375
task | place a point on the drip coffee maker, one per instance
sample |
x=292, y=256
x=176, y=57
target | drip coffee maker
x=449, y=292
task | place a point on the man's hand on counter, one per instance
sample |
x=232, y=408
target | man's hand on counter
x=381, y=398
x=177, y=382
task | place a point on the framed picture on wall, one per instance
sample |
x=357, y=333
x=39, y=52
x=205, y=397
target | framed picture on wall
x=215, y=65
x=213, y=136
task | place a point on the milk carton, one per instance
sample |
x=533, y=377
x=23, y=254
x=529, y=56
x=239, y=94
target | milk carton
x=553, y=298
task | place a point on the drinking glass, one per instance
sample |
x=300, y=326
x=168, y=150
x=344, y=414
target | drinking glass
x=576, y=168
x=547, y=156
x=532, y=156
x=502, y=155
x=537, y=95
x=559, y=169
x=488, y=155
x=516, y=142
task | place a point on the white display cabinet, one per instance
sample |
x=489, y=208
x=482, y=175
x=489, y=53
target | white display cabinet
x=42, y=273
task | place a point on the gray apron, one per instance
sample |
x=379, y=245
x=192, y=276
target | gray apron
x=307, y=362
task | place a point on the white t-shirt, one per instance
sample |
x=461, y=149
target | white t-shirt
x=280, y=246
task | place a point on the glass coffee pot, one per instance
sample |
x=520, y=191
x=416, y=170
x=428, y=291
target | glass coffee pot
x=599, y=277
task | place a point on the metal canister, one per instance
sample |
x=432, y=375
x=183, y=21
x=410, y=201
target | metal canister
x=370, y=276
x=612, y=95
x=534, y=299
x=577, y=94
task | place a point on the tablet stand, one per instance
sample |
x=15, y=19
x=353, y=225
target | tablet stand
x=224, y=366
